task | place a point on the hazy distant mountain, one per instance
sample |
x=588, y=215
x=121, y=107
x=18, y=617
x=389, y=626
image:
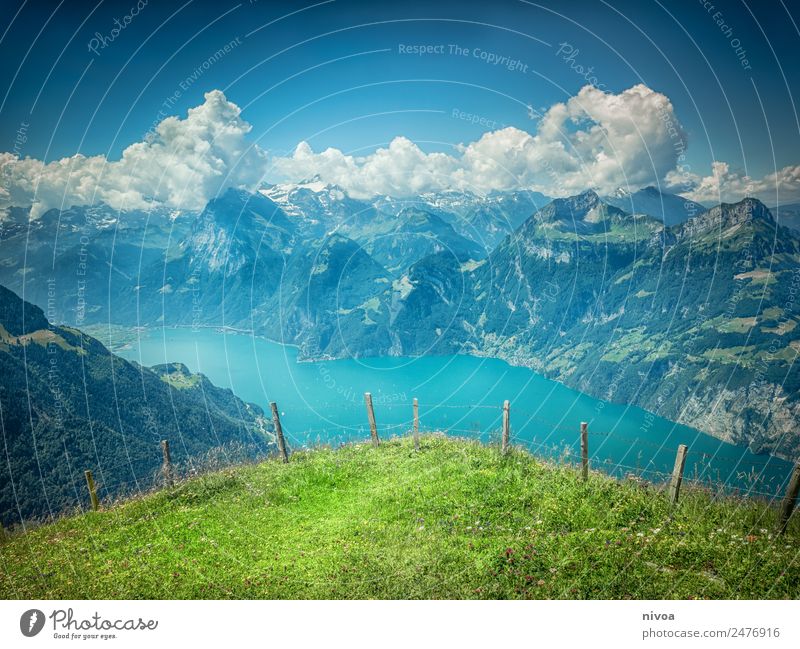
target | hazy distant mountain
x=317, y=208
x=448, y=205
x=84, y=264
x=500, y=213
x=69, y=405
x=788, y=215
x=485, y=219
x=671, y=209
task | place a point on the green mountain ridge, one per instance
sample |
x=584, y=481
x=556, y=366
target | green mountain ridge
x=454, y=520
x=67, y=404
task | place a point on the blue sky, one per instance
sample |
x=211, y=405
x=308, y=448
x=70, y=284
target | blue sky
x=334, y=74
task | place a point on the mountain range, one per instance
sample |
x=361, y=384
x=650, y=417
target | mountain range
x=695, y=322
x=640, y=297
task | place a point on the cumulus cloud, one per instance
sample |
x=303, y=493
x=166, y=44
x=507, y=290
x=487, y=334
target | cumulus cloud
x=182, y=163
x=595, y=139
x=727, y=185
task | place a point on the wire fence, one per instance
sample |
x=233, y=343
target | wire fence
x=640, y=458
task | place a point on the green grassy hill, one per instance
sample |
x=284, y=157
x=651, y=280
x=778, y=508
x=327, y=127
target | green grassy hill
x=454, y=520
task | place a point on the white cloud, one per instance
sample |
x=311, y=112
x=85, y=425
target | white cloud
x=402, y=169
x=595, y=139
x=725, y=185
x=183, y=163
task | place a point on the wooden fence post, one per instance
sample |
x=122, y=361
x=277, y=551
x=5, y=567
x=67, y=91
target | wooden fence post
x=677, y=474
x=167, y=468
x=506, y=426
x=276, y=421
x=92, y=490
x=416, y=424
x=790, y=499
x=585, y=450
x=373, y=427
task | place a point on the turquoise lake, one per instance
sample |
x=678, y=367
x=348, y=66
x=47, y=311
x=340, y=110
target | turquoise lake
x=323, y=403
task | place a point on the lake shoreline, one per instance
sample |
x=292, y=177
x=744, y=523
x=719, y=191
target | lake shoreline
x=322, y=403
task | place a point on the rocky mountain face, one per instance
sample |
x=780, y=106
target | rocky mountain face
x=231, y=260
x=538, y=282
x=67, y=404
x=687, y=312
x=696, y=322
x=332, y=302
x=84, y=264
